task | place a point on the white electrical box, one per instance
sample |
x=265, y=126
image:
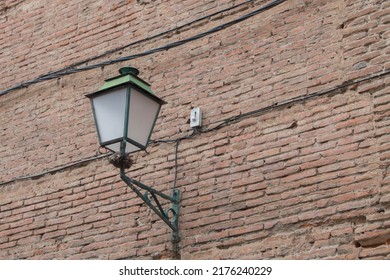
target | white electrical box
x=195, y=117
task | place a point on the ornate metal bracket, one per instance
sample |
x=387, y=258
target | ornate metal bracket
x=170, y=216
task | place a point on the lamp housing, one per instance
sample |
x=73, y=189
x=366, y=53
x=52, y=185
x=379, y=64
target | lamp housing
x=125, y=111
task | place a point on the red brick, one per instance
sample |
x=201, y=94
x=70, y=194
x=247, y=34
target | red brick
x=317, y=213
x=300, y=175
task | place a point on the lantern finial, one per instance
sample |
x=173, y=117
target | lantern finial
x=129, y=70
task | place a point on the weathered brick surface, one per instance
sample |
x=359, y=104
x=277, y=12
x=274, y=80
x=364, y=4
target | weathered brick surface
x=303, y=181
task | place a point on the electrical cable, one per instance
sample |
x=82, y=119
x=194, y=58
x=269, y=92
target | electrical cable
x=109, y=52
x=54, y=170
x=177, y=143
x=166, y=47
x=176, y=163
x=194, y=131
x=154, y=36
x=218, y=126
x=294, y=100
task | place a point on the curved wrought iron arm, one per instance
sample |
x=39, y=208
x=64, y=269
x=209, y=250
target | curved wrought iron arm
x=164, y=215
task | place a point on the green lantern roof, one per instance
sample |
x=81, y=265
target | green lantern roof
x=129, y=75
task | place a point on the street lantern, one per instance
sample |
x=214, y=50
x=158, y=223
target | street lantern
x=125, y=110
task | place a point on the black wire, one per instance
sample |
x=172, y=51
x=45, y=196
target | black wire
x=193, y=133
x=177, y=143
x=176, y=163
x=55, y=170
x=72, y=66
x=68, y=71
x=220, y=125
x=156, y=36
x=293, y=100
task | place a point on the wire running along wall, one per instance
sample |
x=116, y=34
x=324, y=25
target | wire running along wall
x=214, y=126
x=73, y=68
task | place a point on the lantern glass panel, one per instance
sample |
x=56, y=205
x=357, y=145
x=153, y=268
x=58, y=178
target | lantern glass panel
x=143, y=112
x=109, y=109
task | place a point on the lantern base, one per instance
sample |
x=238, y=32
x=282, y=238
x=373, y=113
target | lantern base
x=119, y=161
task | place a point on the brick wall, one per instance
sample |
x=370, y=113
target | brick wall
x=308, y=179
